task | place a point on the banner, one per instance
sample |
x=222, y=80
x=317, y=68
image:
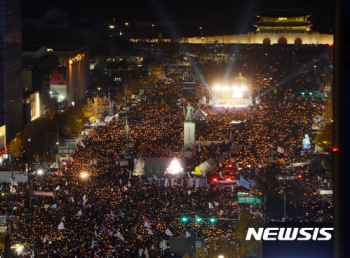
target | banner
x=300, y=164
x=244, y=183
x=50, y=194
x=208, y=165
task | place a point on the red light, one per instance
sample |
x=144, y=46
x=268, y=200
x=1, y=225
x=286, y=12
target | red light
x=300, y=176
x=335, y=149
x=228, y=179
x=215, y=179
x=230, y=166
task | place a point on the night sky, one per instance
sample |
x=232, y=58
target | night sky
x=237, y=16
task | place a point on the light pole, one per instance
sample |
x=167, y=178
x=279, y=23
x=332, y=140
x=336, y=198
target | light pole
x=85, y=175
x=58, y=151
x=285, y=202
x=201, y=33
x=46, y=149
x=109, y=99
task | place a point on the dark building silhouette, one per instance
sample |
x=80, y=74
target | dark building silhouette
x=11, y=92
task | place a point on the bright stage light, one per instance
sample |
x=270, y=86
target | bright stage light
x=234, y=88
x=237, y=94
x=217, y=88
x=175, y=167
x=226, y=88
x=243, y=88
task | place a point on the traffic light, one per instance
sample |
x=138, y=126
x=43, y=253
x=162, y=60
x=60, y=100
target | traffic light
x=184, y=219
x=228, y=179
x=212, y=220
x=310, y=93
x=198, y=219
x=335, y=149
x=303, y=93
x=215, y=179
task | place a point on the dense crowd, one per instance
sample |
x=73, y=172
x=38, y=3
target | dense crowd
x=113, y=213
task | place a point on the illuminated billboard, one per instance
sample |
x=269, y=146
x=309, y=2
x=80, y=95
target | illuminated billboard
x=58, y=86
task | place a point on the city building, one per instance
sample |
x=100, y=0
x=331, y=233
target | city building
x=38, y=67
x=11, y=91
x=70, y=40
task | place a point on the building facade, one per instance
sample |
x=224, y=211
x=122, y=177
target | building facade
x=11, y=91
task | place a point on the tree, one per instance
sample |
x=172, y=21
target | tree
x=247, y=248
x=15, y=146
x=74, y=118
x=35, y=133
x=327, y=164
x=222, y=247
x=154, y=72
x=324, y=138
x=91, y=110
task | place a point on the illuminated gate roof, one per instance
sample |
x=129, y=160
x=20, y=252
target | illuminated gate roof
x=283, y=20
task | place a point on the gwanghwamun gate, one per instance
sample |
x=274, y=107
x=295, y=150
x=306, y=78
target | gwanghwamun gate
x=273, y=27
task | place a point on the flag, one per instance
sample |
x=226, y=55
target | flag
x=45, y=239
x=126, y=130
x=194, y=149
x=216, y=204
x=130, y=174
x=32, y=256
x=140, y=253
x=54, y=206
x=92, y=245
x=280, y=150
x=150, y=232
x=63, y=218
x=211, y=206
x=155, y=177
x=112, y=214
x=147, y=225
x=95, y=233
x=79, y=213
x=61, y=226
x=125, y=188
x=120, y=236
x=72, y=199
x=66, y=183
x=168, y=232
x=163, y=245
x=187, y=234
x=189, y=192
x=84, y=198
x=121, y=214
x=57, y=188
x=146, y=253
x=129, y=184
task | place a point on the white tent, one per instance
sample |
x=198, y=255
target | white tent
x=199, y=113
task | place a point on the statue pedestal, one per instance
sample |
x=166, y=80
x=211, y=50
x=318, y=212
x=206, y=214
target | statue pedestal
x=189, y=135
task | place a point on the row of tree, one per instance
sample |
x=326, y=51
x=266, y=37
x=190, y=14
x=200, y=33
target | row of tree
x=42, y=134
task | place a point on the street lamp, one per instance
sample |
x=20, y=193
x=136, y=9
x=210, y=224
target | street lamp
x=201, y=33
x=220, y=256
x=85, y=175
x=285, y=202
x=40, y=171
